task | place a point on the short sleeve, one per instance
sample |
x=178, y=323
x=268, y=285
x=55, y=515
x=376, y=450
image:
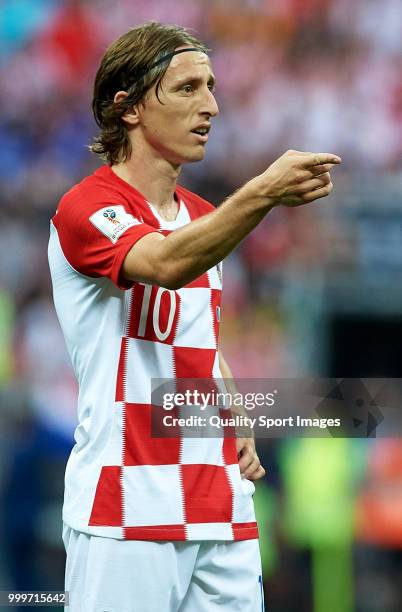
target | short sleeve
x=96, y=239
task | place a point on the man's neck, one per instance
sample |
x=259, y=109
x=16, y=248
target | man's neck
x=155, y=179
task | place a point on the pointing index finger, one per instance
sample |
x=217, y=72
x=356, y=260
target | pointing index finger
x=321, y=169
x=316, y=159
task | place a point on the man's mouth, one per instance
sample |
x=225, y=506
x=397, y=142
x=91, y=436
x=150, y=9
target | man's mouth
x=202, y=132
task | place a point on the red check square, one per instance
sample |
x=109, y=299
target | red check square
x=207, y=494
x=143, y=423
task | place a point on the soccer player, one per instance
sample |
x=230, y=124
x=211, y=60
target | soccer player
x=154, y=524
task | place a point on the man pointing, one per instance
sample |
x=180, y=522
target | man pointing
x=157, y=524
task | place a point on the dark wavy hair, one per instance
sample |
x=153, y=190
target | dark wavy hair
x=127, y=66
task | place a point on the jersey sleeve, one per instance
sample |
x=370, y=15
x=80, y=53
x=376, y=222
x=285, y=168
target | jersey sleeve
x=96, y=239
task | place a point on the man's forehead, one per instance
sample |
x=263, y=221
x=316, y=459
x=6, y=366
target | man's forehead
x=188, y=62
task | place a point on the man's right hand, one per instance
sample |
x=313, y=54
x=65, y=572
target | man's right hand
x=296, y=178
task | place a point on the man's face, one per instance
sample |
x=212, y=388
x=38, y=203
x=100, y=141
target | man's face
x=188, y=104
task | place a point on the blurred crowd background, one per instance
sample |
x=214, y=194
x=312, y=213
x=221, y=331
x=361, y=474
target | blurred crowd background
x=312, y=292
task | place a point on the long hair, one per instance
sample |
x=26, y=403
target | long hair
x=127, y=66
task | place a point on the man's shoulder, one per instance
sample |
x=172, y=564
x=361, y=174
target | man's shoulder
x=196, y=205
x=92, y=189
x=94, y=192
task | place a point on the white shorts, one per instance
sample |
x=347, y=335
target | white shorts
x=107, y=575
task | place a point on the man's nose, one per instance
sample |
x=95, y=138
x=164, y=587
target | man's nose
x=210, y=105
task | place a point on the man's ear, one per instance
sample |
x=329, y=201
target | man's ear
x=131, y=116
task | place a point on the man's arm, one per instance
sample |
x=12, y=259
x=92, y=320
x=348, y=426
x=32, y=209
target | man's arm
x=292, y=180
x=249, y=463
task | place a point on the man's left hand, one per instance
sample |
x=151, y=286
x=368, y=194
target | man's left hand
x=249, y=463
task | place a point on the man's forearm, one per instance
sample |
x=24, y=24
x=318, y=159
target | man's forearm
x=249, y=463
x=195, y=248
x=232, y=389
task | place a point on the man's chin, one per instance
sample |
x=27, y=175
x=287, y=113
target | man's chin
x=189, y=158
x=195, y=156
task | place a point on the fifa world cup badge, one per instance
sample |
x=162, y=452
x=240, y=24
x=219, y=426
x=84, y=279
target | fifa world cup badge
x=113, y=221
x=111, y=215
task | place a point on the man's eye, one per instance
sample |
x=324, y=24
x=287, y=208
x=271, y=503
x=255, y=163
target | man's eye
x=187, y=88
x=211, y=87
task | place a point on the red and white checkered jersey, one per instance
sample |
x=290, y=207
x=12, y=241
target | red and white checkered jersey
x=120, y=481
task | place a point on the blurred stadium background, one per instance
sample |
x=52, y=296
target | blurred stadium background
x=314, y=291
